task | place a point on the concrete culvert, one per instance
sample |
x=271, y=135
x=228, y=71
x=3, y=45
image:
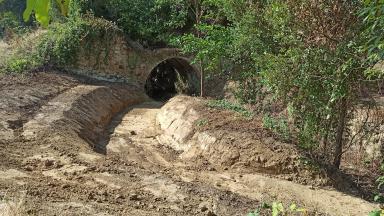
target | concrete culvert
x=171, y=77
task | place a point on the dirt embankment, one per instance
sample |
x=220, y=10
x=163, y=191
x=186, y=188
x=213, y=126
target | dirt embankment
x=84, y=147
x=83, y=111
x=230, y=141
x=51, y=165
x=236, y=146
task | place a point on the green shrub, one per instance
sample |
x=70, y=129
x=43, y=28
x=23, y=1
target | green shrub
x=148, y=21
x=277, y=125
x=18, y=65
x=60, y=44
x=10, y=18
x=8, y=21
x=379, y=212
x=224, y=104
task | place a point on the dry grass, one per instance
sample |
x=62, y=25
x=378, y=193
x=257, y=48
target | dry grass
x=19, y=45
x=4, y=51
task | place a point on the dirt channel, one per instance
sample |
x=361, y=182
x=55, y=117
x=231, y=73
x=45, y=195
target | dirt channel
x=74, y=146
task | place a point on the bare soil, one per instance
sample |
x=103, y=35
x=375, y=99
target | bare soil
x=75, y=146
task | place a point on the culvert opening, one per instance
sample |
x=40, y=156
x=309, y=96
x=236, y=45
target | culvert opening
x=171, y=77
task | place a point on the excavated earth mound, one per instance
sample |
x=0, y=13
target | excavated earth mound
x=240, y=148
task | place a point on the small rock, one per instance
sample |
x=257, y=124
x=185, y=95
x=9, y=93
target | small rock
x=102, y=192
x=119, y=196
x=91, y=196
x=133, y=133
x=210, y=213
x=261, y=159
x=48, y=163
x=134, y=197
x=64, y=186
x=57, y=166
x=28, y=168
x=203, y=208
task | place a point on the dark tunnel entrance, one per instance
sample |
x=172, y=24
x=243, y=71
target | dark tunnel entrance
x=170, y=77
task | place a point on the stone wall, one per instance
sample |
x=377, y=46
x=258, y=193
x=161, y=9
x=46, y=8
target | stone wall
x=117, y=58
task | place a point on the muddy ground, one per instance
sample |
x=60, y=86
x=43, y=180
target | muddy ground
x=76, y=146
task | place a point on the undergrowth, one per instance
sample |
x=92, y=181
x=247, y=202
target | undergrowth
x=277, y=125
x=224, y=104
x=201, y=122
x=59, y=45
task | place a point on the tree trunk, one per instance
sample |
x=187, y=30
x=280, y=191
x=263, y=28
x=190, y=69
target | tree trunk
x=201, y=79
x=198, y=14
x=340, y=132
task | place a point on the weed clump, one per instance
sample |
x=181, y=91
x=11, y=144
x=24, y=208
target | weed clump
x=224, y=104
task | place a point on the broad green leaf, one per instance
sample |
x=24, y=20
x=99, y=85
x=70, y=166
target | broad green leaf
x=41, y=9
x=42, y=12
x=64, y=5
x=28, y=10
x=375, y=213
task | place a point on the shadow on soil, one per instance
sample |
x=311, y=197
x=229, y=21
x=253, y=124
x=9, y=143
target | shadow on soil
x=101, y=145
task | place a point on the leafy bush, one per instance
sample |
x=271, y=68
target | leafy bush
x=224, y=104
x=278, y=125
x=60, y=44
x=372, y=12
x=21, y=56
x=19, y=65
x=376, y=213
x=283, y=47
x=8, y=22
x=210, y=49
x=149, y=21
